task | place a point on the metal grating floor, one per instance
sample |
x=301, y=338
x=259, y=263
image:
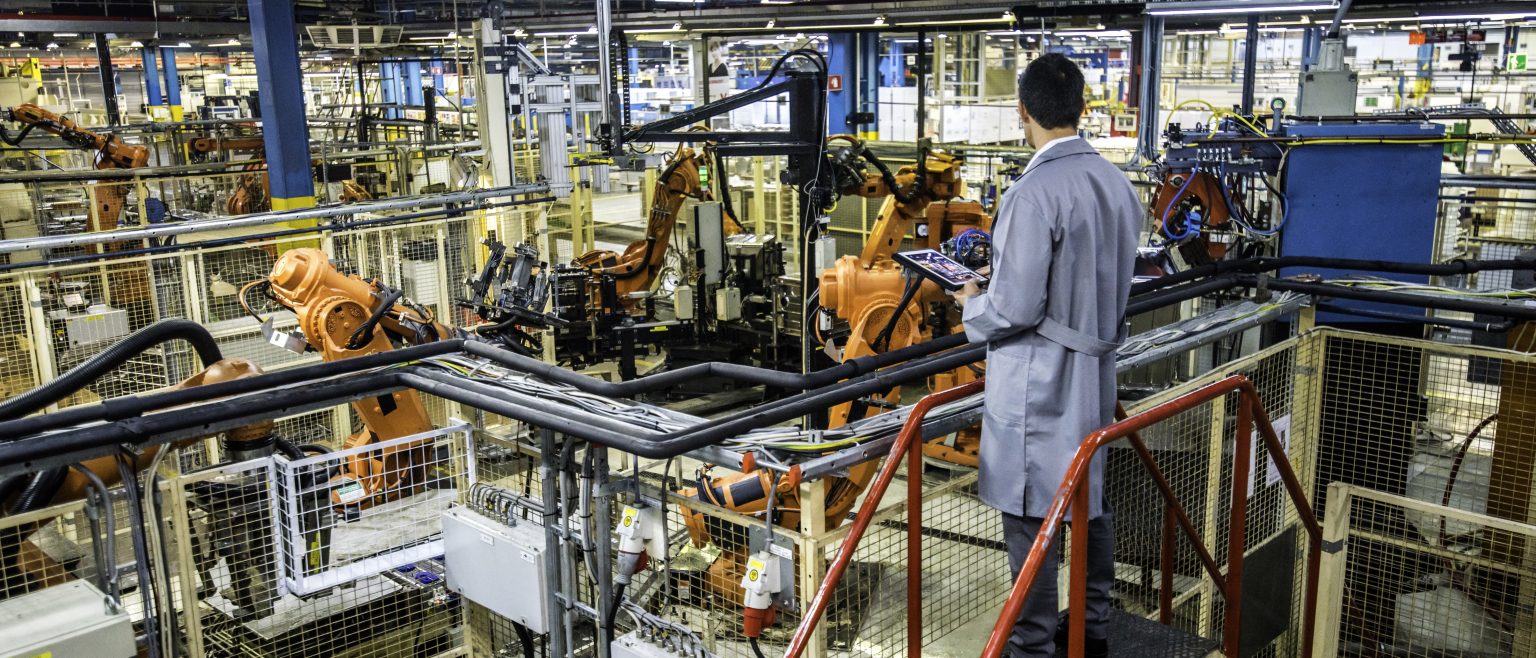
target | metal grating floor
x=1145, y=638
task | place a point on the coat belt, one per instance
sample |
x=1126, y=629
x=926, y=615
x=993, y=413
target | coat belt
x=1073, y=339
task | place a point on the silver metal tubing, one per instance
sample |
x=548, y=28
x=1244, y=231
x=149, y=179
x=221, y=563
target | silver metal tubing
x=262, y=219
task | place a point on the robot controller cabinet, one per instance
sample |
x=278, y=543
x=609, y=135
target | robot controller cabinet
x=1386, y=195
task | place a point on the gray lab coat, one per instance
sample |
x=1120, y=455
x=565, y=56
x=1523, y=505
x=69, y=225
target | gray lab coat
x=1063, y=249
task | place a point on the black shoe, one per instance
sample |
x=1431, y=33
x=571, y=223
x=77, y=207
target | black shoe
x=1092, y=647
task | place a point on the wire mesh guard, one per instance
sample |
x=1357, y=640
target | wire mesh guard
x=291, y=559
x=1436, y=444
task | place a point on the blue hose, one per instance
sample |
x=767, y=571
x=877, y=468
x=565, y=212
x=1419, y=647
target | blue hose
x=1173, y=202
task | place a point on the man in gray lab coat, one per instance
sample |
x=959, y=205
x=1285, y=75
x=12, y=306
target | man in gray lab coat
x=1064, y=245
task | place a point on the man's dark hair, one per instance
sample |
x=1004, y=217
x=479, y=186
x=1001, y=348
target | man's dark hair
x=1051, y=88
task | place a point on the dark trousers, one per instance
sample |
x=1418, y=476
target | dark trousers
x=1034, y=636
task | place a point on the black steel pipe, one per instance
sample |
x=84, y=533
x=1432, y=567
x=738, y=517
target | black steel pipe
x=1325, y=290
x=135, y=405
x=1492, y=327
x=267, y=402
x=1157, y=299
x=732, y=371
x=1270, y=264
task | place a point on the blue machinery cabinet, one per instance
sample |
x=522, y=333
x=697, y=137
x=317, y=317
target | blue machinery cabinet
x=1364, y=201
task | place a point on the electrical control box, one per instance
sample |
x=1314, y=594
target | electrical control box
x=73, y=619
x=1328, y=93
x=709, y=233
x=682, y=302
x=728, y=304
x=93, y=324
x=497, y=566
x=631, y=645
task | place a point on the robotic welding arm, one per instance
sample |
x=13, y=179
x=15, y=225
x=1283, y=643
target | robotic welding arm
x=636, y=269
x=111, y=153
x=344, y=317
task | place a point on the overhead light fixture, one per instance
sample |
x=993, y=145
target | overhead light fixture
x=183, y=44
x=677, y=26
x=1211, y=7
x=136, y=44
x=233, y=42
x=681, y=2
x=772, y=23
x=66, y=34
x=880, y=20
x=1104, y=34
x=591, y=29
x=52, y=46
x=1447, y=17
x=519, y=33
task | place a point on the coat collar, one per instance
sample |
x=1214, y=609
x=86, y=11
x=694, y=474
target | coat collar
x=1070, y=147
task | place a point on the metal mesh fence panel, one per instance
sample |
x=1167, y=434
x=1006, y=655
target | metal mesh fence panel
x=1439, y=426
x=289, y=563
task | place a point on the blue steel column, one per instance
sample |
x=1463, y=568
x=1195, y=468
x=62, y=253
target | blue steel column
x=413, y=95
x=895, y=66
x=172, y=82
x=284, y=129
x=151, y=79
x=388, y=84
x=842, y=51
x=869, y=83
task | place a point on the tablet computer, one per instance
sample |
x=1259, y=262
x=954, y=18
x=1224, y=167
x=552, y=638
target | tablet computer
x=943, y=270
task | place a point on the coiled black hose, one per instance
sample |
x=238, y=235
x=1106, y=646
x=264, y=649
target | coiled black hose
x=40, y=490
x=111, y=359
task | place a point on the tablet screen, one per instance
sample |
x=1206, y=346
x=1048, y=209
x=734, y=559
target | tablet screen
x=946, y=271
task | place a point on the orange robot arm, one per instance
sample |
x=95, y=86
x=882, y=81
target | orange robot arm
x=343, y=317
x=111, y=152
x=636, y=269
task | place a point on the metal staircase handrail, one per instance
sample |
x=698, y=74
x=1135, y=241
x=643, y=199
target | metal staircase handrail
x=1074, y=495
x=909, y=441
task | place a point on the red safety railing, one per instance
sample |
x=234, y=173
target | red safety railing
x=909, y=441
x=1073, y=494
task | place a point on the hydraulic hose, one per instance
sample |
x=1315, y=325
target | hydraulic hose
x=111, y=359
x=40, y=490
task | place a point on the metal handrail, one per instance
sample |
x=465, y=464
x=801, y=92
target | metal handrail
x=910, y=442
x=1074, y=494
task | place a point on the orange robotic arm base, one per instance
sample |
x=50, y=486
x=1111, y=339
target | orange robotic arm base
x=334, y=313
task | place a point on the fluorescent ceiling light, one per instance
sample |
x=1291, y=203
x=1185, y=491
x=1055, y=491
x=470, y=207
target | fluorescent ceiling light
x=66, y=34
x=1210, y=7
x=1107, y=34
x=181, y=45
x=559, y=34
x=1448, y=17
